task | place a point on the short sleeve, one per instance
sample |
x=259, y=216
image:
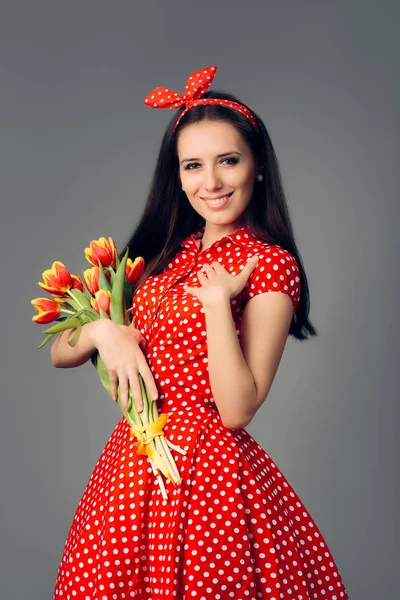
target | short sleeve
x=277, y=271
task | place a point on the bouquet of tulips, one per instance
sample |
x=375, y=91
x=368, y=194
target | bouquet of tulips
x=104, y=293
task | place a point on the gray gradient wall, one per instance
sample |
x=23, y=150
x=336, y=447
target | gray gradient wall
x=78, y=148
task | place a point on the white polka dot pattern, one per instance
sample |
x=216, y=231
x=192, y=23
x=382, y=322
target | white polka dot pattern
x=235, y=528
x=276, y=271
x=197, y=84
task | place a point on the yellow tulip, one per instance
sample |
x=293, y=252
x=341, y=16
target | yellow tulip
x=134, y=269
x=58, y=280
x=48, y=310
x=102, y=250
x=101, y=300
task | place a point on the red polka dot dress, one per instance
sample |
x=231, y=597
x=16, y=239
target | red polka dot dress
x=235, y=528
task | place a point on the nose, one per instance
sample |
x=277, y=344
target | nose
x=211, y=179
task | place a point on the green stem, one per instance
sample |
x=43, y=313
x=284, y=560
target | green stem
x=76, y=299
x=134, y=419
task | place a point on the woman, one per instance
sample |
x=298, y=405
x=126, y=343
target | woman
x=217, y=239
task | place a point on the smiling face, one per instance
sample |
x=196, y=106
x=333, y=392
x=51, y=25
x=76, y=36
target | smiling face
x=216, y=163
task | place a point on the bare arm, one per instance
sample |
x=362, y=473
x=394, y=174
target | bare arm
x=119, y=348
x=64, y=356
x=242, y=374
x=231, y=380
x=264, y=332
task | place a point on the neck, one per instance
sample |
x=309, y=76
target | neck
x=212, y=233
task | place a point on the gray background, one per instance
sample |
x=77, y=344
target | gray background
x=78, y=148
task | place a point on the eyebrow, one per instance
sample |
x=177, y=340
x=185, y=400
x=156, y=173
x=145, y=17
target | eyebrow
x=218, y=156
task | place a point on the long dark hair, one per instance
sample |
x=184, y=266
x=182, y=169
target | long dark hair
x=168, y=217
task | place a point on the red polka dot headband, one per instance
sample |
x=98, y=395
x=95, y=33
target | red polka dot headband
x=197, y=84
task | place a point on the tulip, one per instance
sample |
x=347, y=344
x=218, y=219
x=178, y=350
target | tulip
x=48, y=310
x=91, y=277
x=57, y=280
x=134, y=269
x=105, y=295
x=102, y=250
x=76, y=283
x=102, y=300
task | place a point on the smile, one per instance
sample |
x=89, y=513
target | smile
x=217, y=201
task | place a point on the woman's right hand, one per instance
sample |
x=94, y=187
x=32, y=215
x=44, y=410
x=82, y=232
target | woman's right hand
x=119, y=348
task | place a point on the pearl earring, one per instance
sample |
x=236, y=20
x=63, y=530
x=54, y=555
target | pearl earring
x=259, y=177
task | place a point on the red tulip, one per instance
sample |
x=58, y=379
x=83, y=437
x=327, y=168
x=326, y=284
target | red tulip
x=103, y=250
x=76, y=283
x=134, y=269
x=91, y=277
x=101, y=300
x=57, y=280
x=48, y=310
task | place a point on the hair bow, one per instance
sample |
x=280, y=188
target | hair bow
x=196, y=85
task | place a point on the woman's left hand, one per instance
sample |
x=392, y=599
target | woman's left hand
x=217, y=283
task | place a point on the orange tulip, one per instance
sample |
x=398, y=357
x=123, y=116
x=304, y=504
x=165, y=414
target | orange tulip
x=48, y=310
x=103, y=250
x=91, y=277
x=101, y=300
x=76, y=283
x=58, y=280
x=134, y=269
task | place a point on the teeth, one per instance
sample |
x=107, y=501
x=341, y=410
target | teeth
x=217, y=202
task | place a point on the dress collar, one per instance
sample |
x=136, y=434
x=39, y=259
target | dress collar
x=241, y=236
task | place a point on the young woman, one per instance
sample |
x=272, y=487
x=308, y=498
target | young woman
x=208, y=341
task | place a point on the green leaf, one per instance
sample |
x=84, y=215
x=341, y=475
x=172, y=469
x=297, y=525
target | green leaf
x=85, y=318
x=102, y=372
x=128, y=293
x=75, y=336
x=145, y=397
x=91, y=313
x=112, y=272
x=47, y=339
x=70, y=323
x=104, y=284
x=72, y=303
x=80, y=298
x=117, y=305
x=103, y=313
x=86, y=315
x=132, y=417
